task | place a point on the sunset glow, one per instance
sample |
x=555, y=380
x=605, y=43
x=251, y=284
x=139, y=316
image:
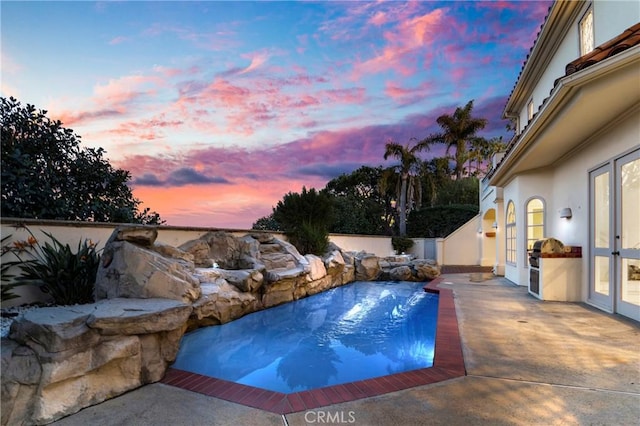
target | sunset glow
x=218, y=109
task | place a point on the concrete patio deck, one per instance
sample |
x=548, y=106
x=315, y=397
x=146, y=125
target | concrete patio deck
x=527, y=363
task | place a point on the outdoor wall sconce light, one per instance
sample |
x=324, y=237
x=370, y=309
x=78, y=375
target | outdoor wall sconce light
x=566, y=213
x=479, y=230
x=495, y=225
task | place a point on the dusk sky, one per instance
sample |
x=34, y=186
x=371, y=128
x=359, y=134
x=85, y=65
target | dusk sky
x=218, y=109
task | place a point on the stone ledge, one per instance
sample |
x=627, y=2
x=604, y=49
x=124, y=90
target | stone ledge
x=138, y=316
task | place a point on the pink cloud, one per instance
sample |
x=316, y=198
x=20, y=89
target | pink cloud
x=248, y=182
x=112, y=99
x=257, y=60
x=379, y=18
x=124, y=89
x=145, y=129
x=117, y=40
x=344, y=96
x=223, y=92
x=246, y=103
x=408, y=95
x=72, y=118
x=175, y=72
x=305, y=101
x=403, y=43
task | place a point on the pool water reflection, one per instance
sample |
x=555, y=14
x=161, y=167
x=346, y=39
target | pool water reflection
x=354, y=332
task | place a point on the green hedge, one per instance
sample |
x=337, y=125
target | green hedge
x=439, y=221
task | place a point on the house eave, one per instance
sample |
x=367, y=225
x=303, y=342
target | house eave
x=560, y=19
x=579, y=105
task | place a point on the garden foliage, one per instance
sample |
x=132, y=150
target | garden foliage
x=46, y=174
x=8, y=284
x=439, y=221
x=305, y=219
x=66, y=275
x=401, y=244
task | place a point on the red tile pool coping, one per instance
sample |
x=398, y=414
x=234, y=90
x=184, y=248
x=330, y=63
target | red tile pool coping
x=448, y=363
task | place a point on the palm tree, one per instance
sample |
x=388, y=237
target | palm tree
x=459, y=130
x=409, y=190
x=435, y=173
x=479, y=147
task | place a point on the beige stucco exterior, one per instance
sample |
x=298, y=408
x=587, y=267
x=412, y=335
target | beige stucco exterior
x=582, y=121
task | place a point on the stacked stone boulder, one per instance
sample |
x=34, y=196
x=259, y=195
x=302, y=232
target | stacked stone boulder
x=59, y=360
x=417, y=270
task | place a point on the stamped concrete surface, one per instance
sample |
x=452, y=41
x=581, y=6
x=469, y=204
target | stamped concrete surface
x=160, y=404
x=528, y=363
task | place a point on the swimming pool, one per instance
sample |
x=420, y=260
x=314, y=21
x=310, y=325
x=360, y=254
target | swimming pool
x=350, y=333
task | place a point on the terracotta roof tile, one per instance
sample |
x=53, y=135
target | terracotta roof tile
x=524, y=63
x=624, y=41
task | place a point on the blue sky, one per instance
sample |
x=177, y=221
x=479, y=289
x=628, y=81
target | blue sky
x=218, y=109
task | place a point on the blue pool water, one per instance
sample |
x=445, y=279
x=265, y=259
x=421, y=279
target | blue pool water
x=354, y=332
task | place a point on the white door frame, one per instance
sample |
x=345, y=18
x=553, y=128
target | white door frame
x=609, y=224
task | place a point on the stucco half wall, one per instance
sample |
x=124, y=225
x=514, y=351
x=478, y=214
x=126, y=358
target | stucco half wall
x=459, y=248
x=462, y=247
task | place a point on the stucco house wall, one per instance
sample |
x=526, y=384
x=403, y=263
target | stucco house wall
x=524, y=187
x=571, y=183
x=586, y=118
x=566, y=185
x=567, y=51
x=610, y=16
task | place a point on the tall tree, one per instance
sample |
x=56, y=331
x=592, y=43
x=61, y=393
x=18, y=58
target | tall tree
x=458, y=130
x=362, y=206
x=435, y=173
x=481, y=152
x=47, y=175
x=409, y=188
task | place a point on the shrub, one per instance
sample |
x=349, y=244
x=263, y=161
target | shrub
x=68, y=277
x=401, y=244
x=306, y=219
x=309, y=238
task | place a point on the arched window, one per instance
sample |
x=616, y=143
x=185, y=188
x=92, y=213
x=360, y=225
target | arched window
x=510, y=231
x=535, y=222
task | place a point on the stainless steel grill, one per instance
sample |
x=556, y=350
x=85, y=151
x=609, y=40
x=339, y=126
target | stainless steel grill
x=540, y=247
x=544, y=246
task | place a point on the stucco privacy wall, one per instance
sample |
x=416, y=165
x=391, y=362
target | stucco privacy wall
x=380, y=246
x=462, y=246
x=73, y=232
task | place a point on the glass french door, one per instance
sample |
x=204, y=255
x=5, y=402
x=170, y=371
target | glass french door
x=627, y=253
x=615, y=237
x=600, y=288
